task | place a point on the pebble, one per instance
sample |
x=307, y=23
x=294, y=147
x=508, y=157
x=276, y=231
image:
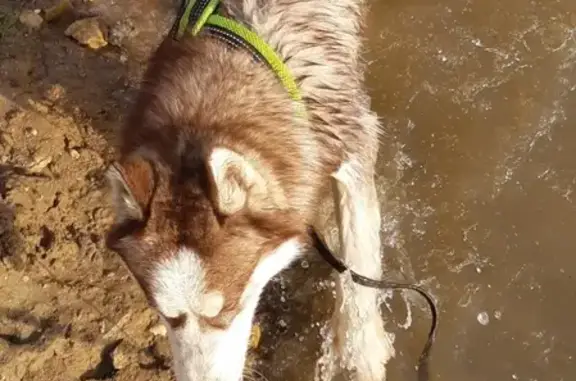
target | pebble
x=87, y=32
x=483, y=318
x=31, y=19
x=31, y=131
x=55, y=92
x=158, y=330
x=122, y=358
x=40, y=163
x=121, y=31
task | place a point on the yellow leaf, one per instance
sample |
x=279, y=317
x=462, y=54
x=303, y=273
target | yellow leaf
x=255, y=336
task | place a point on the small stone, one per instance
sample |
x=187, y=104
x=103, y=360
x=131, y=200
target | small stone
x=26, y=279
x=121, y=31
x=483, y=318
x=158, y=330
x=31, y=131
x=74, y=153
x=121, y=358
x=304, y=264
x=498, y=315
x=40, y=163
x=31, y=19
x=87, y=32
x=55, y=92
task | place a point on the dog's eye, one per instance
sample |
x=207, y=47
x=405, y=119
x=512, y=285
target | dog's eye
x=221, y=321
x=122, y=230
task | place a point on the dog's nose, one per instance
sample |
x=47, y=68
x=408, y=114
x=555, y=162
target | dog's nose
x=176, y=322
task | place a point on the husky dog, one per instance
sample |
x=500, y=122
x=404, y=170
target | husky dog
x=218, y=180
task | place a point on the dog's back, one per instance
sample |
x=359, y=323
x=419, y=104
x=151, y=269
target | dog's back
x=320, y=41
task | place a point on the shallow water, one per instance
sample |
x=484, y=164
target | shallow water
x=479, y=100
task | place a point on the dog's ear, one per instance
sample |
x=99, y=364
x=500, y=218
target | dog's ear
x=132, y=182
x=238, y=184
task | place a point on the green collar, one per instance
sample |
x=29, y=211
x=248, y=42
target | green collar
x=198, y=15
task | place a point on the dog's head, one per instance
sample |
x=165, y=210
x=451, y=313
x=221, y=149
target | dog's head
x=202, y=235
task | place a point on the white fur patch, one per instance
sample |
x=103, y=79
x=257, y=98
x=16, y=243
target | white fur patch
x=178, y=284
x=211, y=355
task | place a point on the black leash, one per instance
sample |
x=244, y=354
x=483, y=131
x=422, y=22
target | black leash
x=338, y=265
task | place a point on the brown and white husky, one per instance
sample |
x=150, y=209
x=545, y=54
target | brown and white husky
x=217, y=182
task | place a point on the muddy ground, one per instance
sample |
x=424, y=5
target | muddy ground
x=477, y=177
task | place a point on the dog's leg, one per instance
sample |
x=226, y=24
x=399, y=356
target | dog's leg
x=361, y=343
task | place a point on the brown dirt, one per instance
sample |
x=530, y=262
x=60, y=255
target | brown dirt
x=66, y=301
